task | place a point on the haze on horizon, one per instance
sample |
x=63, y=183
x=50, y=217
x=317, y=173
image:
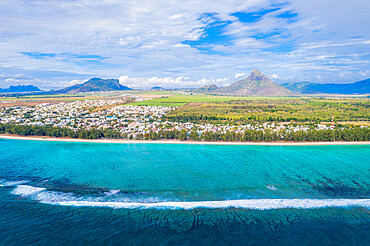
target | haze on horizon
x=57, y=43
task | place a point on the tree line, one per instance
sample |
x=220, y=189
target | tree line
x=273, y=110
x=58, y=132
x=350, y=134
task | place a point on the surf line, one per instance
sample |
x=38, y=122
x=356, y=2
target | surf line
x=256, y=204
x=54, y=198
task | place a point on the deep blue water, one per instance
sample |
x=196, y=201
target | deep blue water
x=59, y=193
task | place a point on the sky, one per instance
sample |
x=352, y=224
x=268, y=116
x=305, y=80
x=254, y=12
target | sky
x=182, y=44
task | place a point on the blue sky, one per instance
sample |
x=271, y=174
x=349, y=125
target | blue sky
x=57, y=43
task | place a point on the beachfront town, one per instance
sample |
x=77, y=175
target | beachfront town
x=128, y=119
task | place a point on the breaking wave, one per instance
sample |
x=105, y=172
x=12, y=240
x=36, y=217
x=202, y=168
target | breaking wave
x=7, y=183
x=258, y=204
x=113, y=199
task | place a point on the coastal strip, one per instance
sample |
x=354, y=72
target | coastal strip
x=44, y=138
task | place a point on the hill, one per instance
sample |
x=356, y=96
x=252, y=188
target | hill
x=95, y=84
x=207, y=88
x=157, y=88
x=20, y=88
x=256, y=84
x=360, y=87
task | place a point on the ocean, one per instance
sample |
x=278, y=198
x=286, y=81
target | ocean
x=69, y=193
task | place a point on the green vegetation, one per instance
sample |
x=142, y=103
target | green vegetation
x=27, y=130
x=353, y=134
x=180, y=100
x=7, y=98
x=350, y=134
x=313, y=110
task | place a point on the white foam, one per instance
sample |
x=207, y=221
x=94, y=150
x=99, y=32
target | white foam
x=111, y=192
x=271, y=187
x=68, y=199
x=53, y=197
x=26, y=190
x=257, y=204
x=4, y=183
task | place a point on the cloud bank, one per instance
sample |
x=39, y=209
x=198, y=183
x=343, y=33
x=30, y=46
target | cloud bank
x=54, y=43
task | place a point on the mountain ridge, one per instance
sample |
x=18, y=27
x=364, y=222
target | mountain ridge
x=20, y=88
x=359, y=87
x=95, y=84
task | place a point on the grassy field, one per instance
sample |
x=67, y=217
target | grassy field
x=181, y=100
x=7, y=98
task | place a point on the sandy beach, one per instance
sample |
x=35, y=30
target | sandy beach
x=45, y=138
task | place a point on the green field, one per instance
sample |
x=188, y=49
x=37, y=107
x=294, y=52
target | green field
x=7, y=98
x=181, y=100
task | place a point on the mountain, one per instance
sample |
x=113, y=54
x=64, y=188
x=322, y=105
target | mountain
x=20, y=88
x=360, y=87
x=256, y=84
x=95, y=84
x=208, y=88
x=157, y=88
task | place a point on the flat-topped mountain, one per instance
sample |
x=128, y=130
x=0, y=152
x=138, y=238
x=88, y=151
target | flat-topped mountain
x=20, y=88
x=360, y=87
x=256, y=84
x=95, y=84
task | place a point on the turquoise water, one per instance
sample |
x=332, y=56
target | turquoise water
x=170, y=194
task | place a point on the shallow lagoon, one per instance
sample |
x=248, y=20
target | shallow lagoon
x=43, y=182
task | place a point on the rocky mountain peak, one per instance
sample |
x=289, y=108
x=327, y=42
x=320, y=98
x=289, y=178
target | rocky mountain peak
x=256, y=75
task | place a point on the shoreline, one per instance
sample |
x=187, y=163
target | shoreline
x=124, y=141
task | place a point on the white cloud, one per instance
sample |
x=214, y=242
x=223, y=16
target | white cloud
x=274, y=76
x=180, y=45
x=146, y=39
x=72, y=82
x=238, y=75
x=169, y=82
